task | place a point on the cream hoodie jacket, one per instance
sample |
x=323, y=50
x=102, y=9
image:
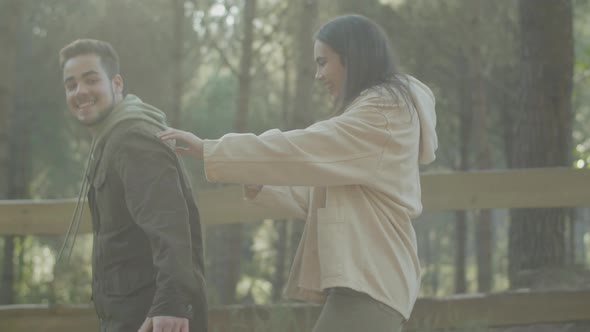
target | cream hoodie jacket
x=355, y=179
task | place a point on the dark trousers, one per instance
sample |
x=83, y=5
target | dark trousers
x=349, y=311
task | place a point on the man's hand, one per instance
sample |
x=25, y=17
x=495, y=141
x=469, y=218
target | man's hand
x=164, y=324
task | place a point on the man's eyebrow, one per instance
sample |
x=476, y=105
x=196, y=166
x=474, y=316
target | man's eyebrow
x=85, y=74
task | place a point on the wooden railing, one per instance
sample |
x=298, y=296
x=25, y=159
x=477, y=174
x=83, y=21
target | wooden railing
x=472, y=312
x=530, y=188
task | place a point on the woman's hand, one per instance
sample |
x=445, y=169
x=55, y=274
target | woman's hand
x=194, y=145
x=252, y=190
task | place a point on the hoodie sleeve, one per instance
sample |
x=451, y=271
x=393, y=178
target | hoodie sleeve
x=342, y=150
x=295, y=199
x=425, y=108
x=345, y=150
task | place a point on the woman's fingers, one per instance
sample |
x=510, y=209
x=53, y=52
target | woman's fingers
x=183, y=150
x=169, y=133
x=176, y=134
x=194, y=145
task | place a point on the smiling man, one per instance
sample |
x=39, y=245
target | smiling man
x=148, y=271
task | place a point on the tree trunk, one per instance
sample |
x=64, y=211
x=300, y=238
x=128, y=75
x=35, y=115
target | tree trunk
x=571, y=236
x=582, y=217
x=483, y=160
x=282, y=245
x=464, y=139
x=286, y=97
x=9, y=21
x=281, y=257
x=177, y=58
x=245, y=75
x=229, y=248
x=436, y=247
x=10, y=16
x=7, y=289
x=483, y=238
x=305, y=76
x=460, y=251
x=303, y=114
x=543, y=128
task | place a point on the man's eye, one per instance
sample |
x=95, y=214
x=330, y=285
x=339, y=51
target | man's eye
x=70, y=87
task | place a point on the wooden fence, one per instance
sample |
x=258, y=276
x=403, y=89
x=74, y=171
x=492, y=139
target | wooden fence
x=530, y=188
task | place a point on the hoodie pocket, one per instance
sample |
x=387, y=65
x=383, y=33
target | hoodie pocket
x=331, y=239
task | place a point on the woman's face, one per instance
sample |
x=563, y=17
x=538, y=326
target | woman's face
x=329, y=69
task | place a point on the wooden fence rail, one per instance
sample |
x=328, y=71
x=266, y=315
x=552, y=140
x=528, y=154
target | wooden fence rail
x=470, y=312
x=530, y=188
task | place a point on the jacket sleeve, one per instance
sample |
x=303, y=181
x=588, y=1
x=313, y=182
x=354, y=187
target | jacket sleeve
x=294, y=199
x=343, y=150
x=154, y=197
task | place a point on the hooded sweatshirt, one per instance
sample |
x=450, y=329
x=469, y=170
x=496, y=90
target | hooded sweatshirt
x=355, y=179
x=135, y=109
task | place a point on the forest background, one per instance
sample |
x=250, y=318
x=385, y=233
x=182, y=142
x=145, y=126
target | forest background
x=511, y=80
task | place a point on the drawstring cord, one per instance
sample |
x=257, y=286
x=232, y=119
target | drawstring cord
x=77, y=215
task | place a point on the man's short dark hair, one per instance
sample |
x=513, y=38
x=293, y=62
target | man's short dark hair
x=106, y=53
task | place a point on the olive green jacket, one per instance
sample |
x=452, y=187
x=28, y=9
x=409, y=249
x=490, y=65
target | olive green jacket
x=147, y=251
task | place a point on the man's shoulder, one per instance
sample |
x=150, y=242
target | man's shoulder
x=134, y=134
x=133, y=127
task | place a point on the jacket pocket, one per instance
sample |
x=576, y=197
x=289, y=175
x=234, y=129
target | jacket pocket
x=127, y=281
x=98, y=186
x=97, y=199
x=99, y=178
x=331, y=239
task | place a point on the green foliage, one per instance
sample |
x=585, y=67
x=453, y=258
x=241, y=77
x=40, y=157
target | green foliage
x=433, y=41
x=210, y=113
x=254, y=285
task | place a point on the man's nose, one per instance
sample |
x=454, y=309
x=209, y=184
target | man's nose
x=81, y=89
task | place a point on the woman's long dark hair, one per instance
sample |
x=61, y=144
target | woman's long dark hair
x=367, y=56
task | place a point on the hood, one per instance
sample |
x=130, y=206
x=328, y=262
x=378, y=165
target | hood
x=425, y=102
x=131, y=107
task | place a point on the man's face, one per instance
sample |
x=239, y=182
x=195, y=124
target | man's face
x=90, y=94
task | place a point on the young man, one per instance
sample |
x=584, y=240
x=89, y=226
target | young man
x=148, y=271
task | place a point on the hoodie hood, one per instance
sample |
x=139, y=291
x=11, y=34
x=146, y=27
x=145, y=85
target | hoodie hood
x=425, y=102
x=131, y=107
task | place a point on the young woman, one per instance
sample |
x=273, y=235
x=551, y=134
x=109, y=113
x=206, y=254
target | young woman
x=354, y=178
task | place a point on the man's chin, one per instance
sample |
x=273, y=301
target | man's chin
x=89, y=122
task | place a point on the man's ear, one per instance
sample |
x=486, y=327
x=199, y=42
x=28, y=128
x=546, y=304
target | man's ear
x=118, y=84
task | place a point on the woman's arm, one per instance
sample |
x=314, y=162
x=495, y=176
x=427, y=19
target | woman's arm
x=295, y=199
